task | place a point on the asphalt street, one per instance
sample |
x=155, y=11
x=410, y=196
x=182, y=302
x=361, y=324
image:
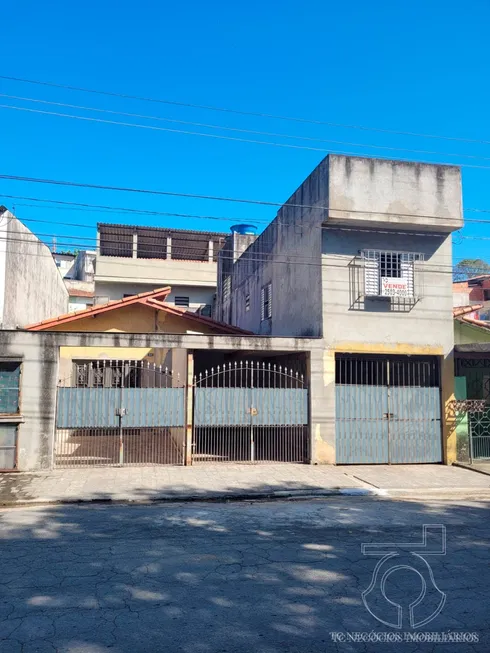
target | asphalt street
x=263, y=577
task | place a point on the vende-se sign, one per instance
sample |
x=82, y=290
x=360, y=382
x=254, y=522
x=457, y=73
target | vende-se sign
x=394, y=287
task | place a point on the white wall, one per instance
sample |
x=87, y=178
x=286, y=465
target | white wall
x=197, y=295
x=33, y=289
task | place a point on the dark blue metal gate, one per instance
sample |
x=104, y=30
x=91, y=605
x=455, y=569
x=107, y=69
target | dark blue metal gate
x=388, y=410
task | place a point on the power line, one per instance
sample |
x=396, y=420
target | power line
x=163, y=129
x=226, y=138
x=256, y=114
x=100, y=208
x=257, y=257
x=57, y=182
x=226, y=128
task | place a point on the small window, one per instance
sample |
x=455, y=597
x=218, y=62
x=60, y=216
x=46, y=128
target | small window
x=247, y=302
x=486, y=294
x=9, y=387
x=182, y=301
x=266, y=302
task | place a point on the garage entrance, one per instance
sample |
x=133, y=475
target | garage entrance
x=120, y=412
x=250, y=411
x=388, y=409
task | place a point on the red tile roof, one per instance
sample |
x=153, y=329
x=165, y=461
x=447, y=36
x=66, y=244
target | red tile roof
x=463, y=310
x=75, y=292
x=153, y=298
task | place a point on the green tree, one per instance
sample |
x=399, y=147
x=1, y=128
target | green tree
x=470, y=267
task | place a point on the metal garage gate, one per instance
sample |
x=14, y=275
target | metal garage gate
x=388, y=409
x=250, y=412
x=120, y=413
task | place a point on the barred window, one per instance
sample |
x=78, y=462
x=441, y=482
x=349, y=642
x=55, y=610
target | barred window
x=389, y=274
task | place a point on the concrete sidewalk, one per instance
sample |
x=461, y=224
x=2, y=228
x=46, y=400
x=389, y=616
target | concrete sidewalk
x=208, y=482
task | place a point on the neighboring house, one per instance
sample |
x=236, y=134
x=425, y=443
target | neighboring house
x=81, y=294
x=361, y=257
x=84, y=266
x=472, y=384
x=148, y=312
x=132, y=260
x=474, y=291
x=31, y=287
x=81, y=284
x=65, y=263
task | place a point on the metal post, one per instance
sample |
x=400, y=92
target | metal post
x=252, y=442
x=389, y=407
x=189, y=408
x=121, y=413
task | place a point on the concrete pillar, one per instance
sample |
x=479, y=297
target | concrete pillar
x=97, y=246
x=135, y=245
x=322, y=406
x=211, y=251
x=169, y=247
x=189, y=407
x=449, y=437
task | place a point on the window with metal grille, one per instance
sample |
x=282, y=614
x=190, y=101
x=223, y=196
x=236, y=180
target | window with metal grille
x=182, y=301
x=9, y=387
x=266, y=302
x=389, y=274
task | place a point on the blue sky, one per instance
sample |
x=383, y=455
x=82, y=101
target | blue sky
x=415, y=66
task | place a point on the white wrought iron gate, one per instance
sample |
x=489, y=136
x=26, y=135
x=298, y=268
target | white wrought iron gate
x=120, y=413
x=250, y=412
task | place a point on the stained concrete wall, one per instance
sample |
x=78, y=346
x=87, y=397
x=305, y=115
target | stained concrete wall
x=376, y=192
x=32, y=288
x=287, y=255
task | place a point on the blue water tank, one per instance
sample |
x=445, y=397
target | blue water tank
x=244, y=229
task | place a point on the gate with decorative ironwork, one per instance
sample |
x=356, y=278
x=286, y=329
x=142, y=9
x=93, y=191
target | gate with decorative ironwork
x=250, y=412
x=113, y=412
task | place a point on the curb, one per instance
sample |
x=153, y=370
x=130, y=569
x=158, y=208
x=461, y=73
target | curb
x=471, y=468
x=196, y=498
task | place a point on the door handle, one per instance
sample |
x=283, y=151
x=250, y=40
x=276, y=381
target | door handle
x=388, y=415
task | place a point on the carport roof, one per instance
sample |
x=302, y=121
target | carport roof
x=154, y=299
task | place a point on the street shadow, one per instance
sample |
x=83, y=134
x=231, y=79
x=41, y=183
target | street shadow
x=217, y=577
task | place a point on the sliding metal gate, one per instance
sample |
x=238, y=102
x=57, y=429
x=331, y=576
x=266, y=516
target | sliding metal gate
x=250, y=412
x=120, y=413
x=388, y=409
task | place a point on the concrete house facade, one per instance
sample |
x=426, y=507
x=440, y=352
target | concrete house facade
x=132, y=260
x=360, y=256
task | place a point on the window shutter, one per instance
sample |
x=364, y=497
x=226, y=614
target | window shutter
x=262, y=304
x=371, y=276
x=269, y=300
x=407, y=272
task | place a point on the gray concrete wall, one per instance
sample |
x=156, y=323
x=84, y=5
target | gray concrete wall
x=287, y=255
x=157, y=272
x=370, y=191
x=428, y=323
x=33, y=289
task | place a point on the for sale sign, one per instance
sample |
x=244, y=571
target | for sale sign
x=394, y=287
